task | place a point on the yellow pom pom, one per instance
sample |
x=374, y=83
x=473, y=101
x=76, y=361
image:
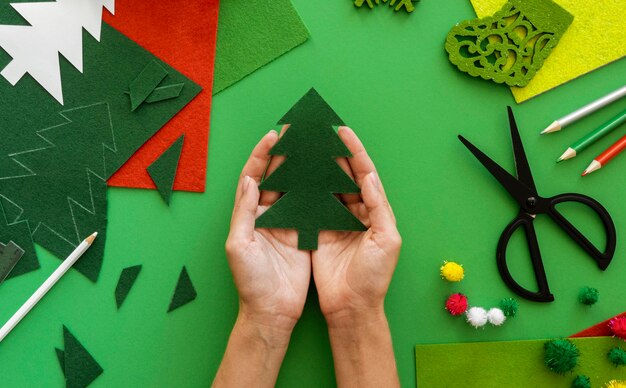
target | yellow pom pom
x=452, y=271
x=616, y=384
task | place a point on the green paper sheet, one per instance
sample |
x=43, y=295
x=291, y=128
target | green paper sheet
x=125, y=283
x=252, y=33
x=510, y=364
x=10, y=254
x=310, y=176
x=79, y=367
x=163, y=170
x=11, y=228
x=145, y=83
x=109, y=68
x=184, y=292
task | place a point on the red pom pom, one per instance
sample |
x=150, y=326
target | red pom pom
x=618, y=326
x=456, y=304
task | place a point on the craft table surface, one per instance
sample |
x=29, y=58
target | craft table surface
x=388, y=77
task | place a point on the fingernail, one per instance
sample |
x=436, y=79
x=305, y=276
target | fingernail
x=343, y=127
x=273, y=131
x=246, y=183
x=375, y=179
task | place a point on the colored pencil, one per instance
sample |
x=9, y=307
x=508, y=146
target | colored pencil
x=602, y=159
x=564, y=121
x=46, y=286
x=593, y=136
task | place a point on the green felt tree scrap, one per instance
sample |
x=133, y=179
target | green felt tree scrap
x=62, y=192
x=79, y=367
x=310, y=175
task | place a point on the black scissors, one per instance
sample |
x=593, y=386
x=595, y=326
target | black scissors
x=524, y=191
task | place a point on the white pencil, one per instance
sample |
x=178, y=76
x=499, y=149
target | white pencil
x=46, y=286
x=585, y=110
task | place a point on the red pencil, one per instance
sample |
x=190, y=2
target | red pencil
x=606, y=156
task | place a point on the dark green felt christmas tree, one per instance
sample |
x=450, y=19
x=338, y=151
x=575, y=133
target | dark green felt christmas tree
x=62, y=192
x=310, y=176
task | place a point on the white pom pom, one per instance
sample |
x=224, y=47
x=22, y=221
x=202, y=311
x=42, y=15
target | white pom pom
x=477, y=316
x=496, y=316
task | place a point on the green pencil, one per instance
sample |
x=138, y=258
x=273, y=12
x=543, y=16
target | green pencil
x=594, y=136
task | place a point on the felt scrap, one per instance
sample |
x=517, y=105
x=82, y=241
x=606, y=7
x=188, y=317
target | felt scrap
x=31, y=178
x=11, y=228
x=145, y=83
x=595, y=38
x=310, y=176
x=10, y=254
x=79, y=367
x=184, y=292
x=511, y=364
x=252, y=34
x=163, y=170
x=165, y=93
x=54, y=28
x=183, y=34
x=510, y=46
x=601, y=329
x=125, y=283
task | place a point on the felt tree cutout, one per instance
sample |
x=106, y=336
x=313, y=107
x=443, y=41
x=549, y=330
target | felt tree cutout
x=510, y=46
x=310, y=176
x=63, y=193
x=55, y=28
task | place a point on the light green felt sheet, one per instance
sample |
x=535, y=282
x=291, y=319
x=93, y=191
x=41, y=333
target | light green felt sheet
x=512, y=364
x=252, y=33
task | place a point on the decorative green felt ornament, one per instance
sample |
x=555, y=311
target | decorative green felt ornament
x=561, y=355
x=581, y=381
x=509, y=307
x=588, y=296
x=407, y=4
x=511, y=45
x=617, y=356
x=310, y=176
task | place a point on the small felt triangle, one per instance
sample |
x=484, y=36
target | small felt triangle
x=81, y=369
x=184, y=293
x=163, y=170
x=125, y=283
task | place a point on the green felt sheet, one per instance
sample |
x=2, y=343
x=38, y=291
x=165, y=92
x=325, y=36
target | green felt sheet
x=10, y=254
x=142, y=86
x=310, y=175
x=510, y=364
x=81, y=164
x=184, y=293
x=79, y=367
x=163, y=170
x=11, y=228
x=252, y=33
x=125, y=283
x=511, y=45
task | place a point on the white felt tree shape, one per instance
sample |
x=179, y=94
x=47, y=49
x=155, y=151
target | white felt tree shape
x=55, y=27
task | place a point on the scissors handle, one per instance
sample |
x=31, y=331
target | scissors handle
x=543, y=294
x=603, y=259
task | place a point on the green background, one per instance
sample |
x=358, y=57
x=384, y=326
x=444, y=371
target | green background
x=388, y=77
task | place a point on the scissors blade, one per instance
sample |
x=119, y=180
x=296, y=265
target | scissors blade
x=522, y=167
x=517, y=189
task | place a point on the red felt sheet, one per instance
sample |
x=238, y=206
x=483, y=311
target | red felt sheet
x=183, y=34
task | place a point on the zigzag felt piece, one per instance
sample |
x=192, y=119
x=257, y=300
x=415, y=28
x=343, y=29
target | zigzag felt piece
x=30, y=177
x=163, y=170
x=10, y=254
x=186, y=42
x=79, y=367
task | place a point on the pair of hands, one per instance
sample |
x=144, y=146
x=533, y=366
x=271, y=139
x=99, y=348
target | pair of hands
x=352, y=272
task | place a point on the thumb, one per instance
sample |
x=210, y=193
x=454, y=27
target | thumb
x=244, y=214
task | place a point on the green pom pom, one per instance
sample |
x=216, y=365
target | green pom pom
x=617, y=356
x=588, y=296
x=509, y=306
x=581, y=381
x=561, y=355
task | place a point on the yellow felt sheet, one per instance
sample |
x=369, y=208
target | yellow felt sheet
x=596, y=37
